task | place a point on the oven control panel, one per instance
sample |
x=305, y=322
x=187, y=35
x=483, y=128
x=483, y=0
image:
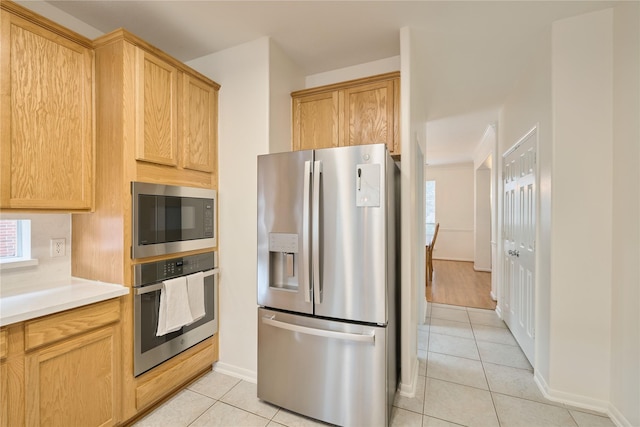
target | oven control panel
x=153, y=272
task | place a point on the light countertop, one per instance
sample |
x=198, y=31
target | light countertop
x=60, y=296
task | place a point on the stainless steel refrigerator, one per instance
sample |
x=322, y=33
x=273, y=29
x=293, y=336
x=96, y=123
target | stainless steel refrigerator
x=327, y=283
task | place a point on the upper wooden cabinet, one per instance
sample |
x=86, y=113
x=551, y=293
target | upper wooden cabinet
x=46, y=126
x=199, y=124
x=316, y=120
x=159, y=112
x=356, y=112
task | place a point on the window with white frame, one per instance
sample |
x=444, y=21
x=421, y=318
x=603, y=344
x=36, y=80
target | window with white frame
x=430, y=206
x=15, y=240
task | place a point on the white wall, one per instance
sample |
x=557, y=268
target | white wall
x=243, y=134
x=413, y=134
x=527, y=105
x=485, y=158
x=44, y=227
x=581, y=244
x=482, y=219
x=381, y=66
x=454, y=210
x=284, y=78
x=625, y=303
x=485, y=228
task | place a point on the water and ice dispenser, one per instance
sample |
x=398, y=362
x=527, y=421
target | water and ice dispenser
x=283, y=256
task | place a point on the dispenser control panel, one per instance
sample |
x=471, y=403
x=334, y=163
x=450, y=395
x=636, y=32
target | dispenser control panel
x=283, y=242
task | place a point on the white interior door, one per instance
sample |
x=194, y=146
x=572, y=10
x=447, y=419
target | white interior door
x=519, y=225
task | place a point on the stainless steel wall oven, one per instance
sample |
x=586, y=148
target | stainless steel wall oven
x=149, y=349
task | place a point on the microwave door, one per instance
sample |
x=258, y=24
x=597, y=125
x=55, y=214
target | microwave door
x=192, y=217
x=170, y=219
x=161, y=219
x=147, y=220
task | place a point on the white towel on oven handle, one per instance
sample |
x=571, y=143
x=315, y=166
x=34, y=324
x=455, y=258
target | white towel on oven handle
x=174, y=310
x=195, y=286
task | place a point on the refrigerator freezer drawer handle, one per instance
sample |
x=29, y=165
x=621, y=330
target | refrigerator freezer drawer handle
x=306, y=233
x=367, y=338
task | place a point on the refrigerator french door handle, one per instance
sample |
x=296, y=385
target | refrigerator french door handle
x=306, y=235
x=367, y=338
x=315, y=216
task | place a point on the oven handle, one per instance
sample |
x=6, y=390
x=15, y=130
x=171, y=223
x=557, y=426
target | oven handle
x=157, y=286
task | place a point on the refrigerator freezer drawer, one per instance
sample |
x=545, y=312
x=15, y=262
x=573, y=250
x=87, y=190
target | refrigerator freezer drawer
x=332, y=371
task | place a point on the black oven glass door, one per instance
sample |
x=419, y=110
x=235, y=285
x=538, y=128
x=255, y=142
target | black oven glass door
x=151, y=350
x=164, y=219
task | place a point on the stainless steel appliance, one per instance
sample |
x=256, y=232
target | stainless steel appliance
x=169, y=219
x=151, y=350
x=327, y=283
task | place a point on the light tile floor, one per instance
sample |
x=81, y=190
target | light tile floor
x=472, y=373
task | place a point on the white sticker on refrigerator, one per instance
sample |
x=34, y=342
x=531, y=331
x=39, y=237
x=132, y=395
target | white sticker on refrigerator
x=368, y=185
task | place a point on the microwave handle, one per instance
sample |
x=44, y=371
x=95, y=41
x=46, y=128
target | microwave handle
x=158, y=286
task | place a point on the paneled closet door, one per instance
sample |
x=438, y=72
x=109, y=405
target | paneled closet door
x=519, y=226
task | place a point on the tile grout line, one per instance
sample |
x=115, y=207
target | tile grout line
x=202, y=413
x=426, y=362
x=484, y=372
x=229, y=404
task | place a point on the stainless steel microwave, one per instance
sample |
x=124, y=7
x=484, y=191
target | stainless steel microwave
x=169, y=219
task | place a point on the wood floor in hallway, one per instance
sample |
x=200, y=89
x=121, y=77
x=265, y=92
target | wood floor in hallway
x=457, y=283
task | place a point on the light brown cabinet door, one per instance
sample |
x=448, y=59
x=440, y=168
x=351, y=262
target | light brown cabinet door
x=355, y=112
x=73, y=383
x=199, y=124
x=315, y=121
x=4, y=380
x=46, y=127
x=157, y=105
x=369, y=114
x=4, y=398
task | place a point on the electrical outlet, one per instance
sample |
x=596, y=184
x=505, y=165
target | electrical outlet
x=58, y=247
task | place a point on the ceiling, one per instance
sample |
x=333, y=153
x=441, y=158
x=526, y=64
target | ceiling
x=472, y=52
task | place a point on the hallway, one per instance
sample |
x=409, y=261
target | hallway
x=457, y=283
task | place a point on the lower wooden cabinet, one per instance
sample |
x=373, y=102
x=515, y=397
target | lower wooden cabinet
x=73, y=383
x=4, y=398
x=63, y=369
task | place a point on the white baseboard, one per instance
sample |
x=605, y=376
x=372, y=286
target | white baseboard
x=236, y=372
x=484, y=270
x=409, y=390
x=493, y=296
x=617, y=417
x=453, y=259
x=575, y=400
x=499, y=311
